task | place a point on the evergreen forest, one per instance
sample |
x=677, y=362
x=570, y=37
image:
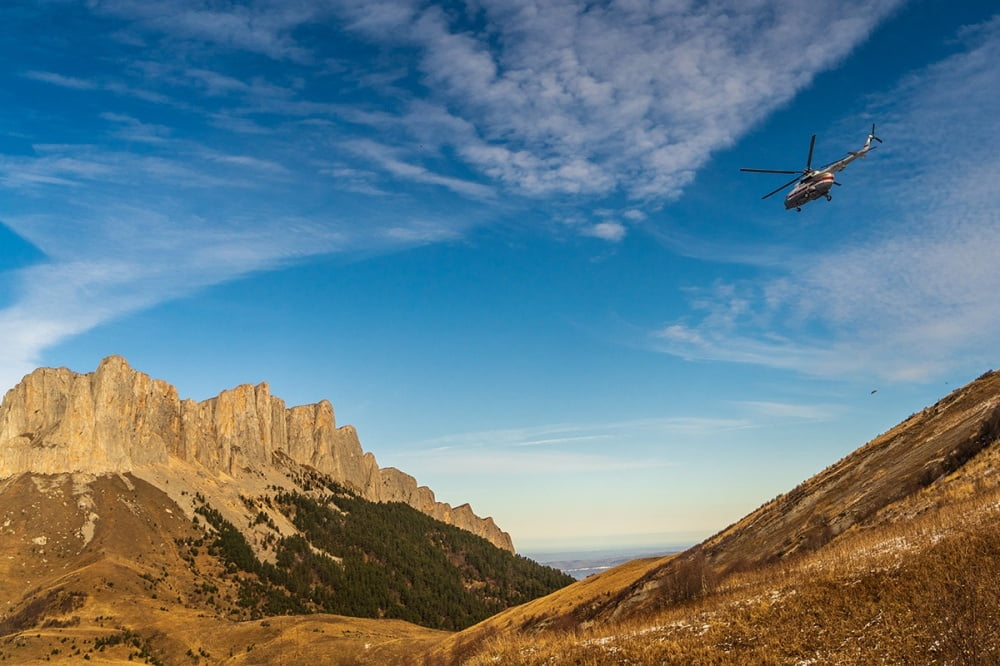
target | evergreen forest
x=379, y=560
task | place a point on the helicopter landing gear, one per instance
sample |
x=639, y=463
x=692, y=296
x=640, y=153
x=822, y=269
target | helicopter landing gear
x=829, y=198
x=798, y=209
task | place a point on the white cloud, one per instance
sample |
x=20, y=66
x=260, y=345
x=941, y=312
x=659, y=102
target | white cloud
x=527, y=98
x=607, y=230
x=258, y=27
x=216, y=83
x=523, y=463
x=567, y=97
x=542, y=97
x=654, y=429
x=420, y=233
x=249, y=162
x=795, y=411
x=123, y=231
x=133, y=129
x=390, y=159
x=579, y=448
x=128, y=260
x=61, y=80
x=554, y=97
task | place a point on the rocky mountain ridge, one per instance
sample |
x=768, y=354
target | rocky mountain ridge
x=117, y=420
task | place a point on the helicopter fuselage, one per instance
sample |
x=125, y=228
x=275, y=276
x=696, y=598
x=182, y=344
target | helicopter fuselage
x=810, y=188
x=811, y=184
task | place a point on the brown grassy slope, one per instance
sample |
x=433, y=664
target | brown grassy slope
x=553, y=612
x=920, y=592
x=102, y=567
x=912, y=455
x=928, y=461
x=848, y=494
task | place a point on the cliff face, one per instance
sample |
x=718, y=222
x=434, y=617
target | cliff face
x=119, y=420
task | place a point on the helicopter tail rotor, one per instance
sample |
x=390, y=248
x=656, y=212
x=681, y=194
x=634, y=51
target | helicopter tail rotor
x=872, y=135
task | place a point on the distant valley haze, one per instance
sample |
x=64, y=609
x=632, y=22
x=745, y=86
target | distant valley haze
x=509, y=242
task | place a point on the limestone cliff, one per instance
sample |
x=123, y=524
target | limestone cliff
x=119, y=420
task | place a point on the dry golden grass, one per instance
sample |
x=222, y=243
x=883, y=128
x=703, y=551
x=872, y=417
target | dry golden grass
x=550, y=612
x=131, y=594
x=919, y=592
x=192, y=638
x=887, y=556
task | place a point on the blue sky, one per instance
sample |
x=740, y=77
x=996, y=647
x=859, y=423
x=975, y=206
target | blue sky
x=509, y=241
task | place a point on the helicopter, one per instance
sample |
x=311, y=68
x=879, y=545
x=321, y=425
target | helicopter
x=816, y=183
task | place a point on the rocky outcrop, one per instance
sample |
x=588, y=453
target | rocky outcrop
x=118, y=420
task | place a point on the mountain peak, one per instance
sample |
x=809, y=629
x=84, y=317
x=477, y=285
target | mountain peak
x=118, y=420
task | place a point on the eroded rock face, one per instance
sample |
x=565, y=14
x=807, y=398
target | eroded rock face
x=117, y=419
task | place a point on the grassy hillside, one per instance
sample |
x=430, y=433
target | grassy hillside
x=110, y=569
x=887, y=555
x=927, y=591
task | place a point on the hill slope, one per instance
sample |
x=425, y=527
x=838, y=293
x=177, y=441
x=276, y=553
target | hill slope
x=927, y=489
x=137, y=526
x=110, y=566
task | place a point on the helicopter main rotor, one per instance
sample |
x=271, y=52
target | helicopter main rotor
x=799, y=174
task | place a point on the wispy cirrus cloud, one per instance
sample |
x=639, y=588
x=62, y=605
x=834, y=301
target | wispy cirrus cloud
x=230, y=116
x=576, y=434
x=573, y=98
x=555, y=97
x=539, y=98
x=391, y=160
x=146, y=258
x=790, y=411
x=257, y=27
x=914, y=299
x=580, y=448
x=61, y=80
